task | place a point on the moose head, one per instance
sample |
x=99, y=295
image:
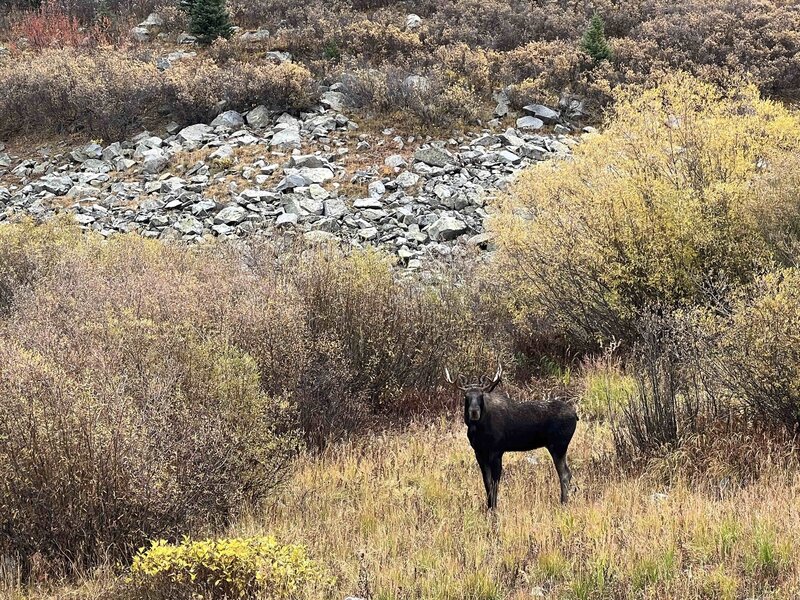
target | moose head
x=474, y=393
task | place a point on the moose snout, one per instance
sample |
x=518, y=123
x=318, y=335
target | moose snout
x=474, y=414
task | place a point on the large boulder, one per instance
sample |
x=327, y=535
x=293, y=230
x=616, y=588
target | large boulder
x=259, y=117
x=435, y=157
x=545, y=114
x=446, y=228
x=229, y=119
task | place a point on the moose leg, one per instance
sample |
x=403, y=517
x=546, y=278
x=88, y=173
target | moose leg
x=483, y=463
x=497, y=473
x=562, y=468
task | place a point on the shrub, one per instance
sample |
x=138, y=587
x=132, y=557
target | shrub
x=223, y=568
x=209, y=20
x=756, y=356
x=659, y=210
x=594, y=41
x=110, y=93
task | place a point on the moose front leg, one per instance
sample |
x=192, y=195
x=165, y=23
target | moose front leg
x=486, y=472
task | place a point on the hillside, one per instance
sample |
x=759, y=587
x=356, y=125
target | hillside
x=292, y=293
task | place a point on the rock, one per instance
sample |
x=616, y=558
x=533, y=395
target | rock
x=5, y=160
x=482, y=240
x=435, y=157
x=188, y=225
x=417, y=83
x=529, y=123
x=286, y=138
x=259, y=117
x=224, y=154
x=86, y=152
x=407, y=179
x=335, y=208
x=140, y=34
x=334, y=100
x=231, y=215
x=395, y=160
x=230, y=119
x=413, y=22
x=255, y=37
x=501, y=97
x=376, y=189
x=165, y=62
x=277, y=57
x=543, y=113
x=367, y=203
x=286, y=219
x=193, y=136
x=154, y=161
x=185, y=38
x=153, y=20
x=314, y=175
x=446, y=228
x=311, y=161
x=56, y=184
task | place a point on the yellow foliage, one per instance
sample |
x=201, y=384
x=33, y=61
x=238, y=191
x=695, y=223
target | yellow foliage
x=224, y=568
x=658, y=209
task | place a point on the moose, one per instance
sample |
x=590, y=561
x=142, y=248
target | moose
x=496, y=424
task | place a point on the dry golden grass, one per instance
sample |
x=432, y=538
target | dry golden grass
x=402, y=516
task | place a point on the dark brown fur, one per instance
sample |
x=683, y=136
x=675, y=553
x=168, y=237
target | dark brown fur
x=503, y=425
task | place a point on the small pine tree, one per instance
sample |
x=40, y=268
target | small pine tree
x=186, y=6
x=209, y=20
x=594, y=41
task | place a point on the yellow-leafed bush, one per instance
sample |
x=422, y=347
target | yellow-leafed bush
x=675, y=202
x=224, y=568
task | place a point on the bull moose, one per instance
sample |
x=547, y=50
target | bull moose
x=496, y=424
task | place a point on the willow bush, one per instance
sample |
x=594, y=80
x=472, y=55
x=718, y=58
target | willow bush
x=675, y=203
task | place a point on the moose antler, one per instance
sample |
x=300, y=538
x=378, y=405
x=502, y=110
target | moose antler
x=488, y=387
x=462, y=382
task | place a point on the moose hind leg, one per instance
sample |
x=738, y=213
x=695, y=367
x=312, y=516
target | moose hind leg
x=497, y=473
x=564, y=474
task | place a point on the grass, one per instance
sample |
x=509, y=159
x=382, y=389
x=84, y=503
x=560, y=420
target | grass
x=402, y=516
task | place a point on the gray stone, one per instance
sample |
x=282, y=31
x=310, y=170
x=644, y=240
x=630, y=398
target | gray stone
x=529, y=123
x=334, y=100
x=367, y=203
x=311, y=161
x=395, y=160
x=154, y=161
x=230, y=119
x=193, y=136
x=231, y=215
x=259, y=117
x=376, y=189
x=223, y=154
x=407, y=179
x=56, y=184
x=188, y=225
x=255, y=37
x=413, y=22
x=286, y=138
x=435, y=157
x=335, y=208
x=277, y=57
x=446, y=228
x=545, y=114
x=286, y=219
x=86, y=152
x=140, y=34
x=153, y=20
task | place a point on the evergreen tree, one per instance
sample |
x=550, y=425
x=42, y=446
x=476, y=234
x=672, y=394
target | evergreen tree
x=594, y=41
x=186, y=6
x=209, y=20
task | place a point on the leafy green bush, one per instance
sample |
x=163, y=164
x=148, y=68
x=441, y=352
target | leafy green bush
x=664, y=209
x=223, y=568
